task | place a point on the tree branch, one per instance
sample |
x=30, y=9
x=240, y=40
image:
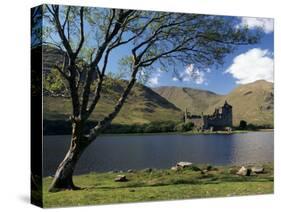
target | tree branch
x=99, y=86
x=154, y=35
x=65, y=41
x=63, y=69
x=94, y=64
x=108, y=119
x=110, y=24
x=66, y=18
x=81, y=32
x=72, y=57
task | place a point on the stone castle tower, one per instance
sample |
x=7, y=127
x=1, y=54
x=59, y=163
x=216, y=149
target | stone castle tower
x=219, y=120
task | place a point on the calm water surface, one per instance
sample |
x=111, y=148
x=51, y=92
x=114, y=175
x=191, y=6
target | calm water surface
x=123, y=152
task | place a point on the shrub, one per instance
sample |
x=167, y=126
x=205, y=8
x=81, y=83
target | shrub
x=252, y=127
x=188, y=126
x=182, y=127
x=243, y=125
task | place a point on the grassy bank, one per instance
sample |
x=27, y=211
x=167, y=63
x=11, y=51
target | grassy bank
x=187, y=133
x=191, y=133
x=100, y=188
x=182, y=133
x=223, y=132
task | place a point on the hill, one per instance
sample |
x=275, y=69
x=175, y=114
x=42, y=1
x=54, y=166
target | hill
x=194, y=100
x=142, y=106
x=251, y=102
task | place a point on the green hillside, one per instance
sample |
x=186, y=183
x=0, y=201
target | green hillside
x=142, y=106
x=251, y=102
x=194, y=100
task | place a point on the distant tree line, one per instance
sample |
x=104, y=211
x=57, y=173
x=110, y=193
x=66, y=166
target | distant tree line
x=243, y=125
x=60, y=127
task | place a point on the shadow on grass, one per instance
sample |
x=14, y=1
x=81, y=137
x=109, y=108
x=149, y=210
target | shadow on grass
x=204, y=180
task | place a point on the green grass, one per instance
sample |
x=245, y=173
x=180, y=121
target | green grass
x=100, y=188
x=193, y=132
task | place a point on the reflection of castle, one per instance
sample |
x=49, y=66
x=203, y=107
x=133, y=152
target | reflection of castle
x=220, y=120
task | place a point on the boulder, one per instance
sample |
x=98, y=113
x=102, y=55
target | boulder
x=148, y=170
x=257, y=170
x=121, y=178
x=175, y=168
x=130, y=171
x=244, y=171
x=183, y=164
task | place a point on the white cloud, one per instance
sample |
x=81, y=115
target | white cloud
x=191, y=73
x=266, y=24
x=154, y=80
x=255, y=64
x=175, y=79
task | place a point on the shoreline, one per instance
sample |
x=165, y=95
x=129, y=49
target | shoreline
x=196, y=181
x=116, y=171
x=179, y=133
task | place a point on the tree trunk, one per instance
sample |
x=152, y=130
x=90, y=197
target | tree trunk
x=64, y=173
x=63, y=177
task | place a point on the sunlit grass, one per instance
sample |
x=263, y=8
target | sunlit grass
x=100, y=188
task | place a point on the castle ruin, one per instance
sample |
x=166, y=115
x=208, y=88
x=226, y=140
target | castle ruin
x=221, y=119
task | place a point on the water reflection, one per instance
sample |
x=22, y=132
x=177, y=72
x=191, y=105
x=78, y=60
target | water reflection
x=117, y=152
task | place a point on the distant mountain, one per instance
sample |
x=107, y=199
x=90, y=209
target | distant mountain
x=194, y=100
x=142, y=106
x=251, y=102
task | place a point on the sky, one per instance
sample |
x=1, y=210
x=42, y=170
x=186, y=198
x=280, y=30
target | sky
x=245, y=65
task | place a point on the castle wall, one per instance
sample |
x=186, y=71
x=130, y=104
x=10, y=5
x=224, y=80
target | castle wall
x=221, y=118
x=219, y=122
x=198, y=122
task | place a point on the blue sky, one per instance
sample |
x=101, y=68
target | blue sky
x=246, y=64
